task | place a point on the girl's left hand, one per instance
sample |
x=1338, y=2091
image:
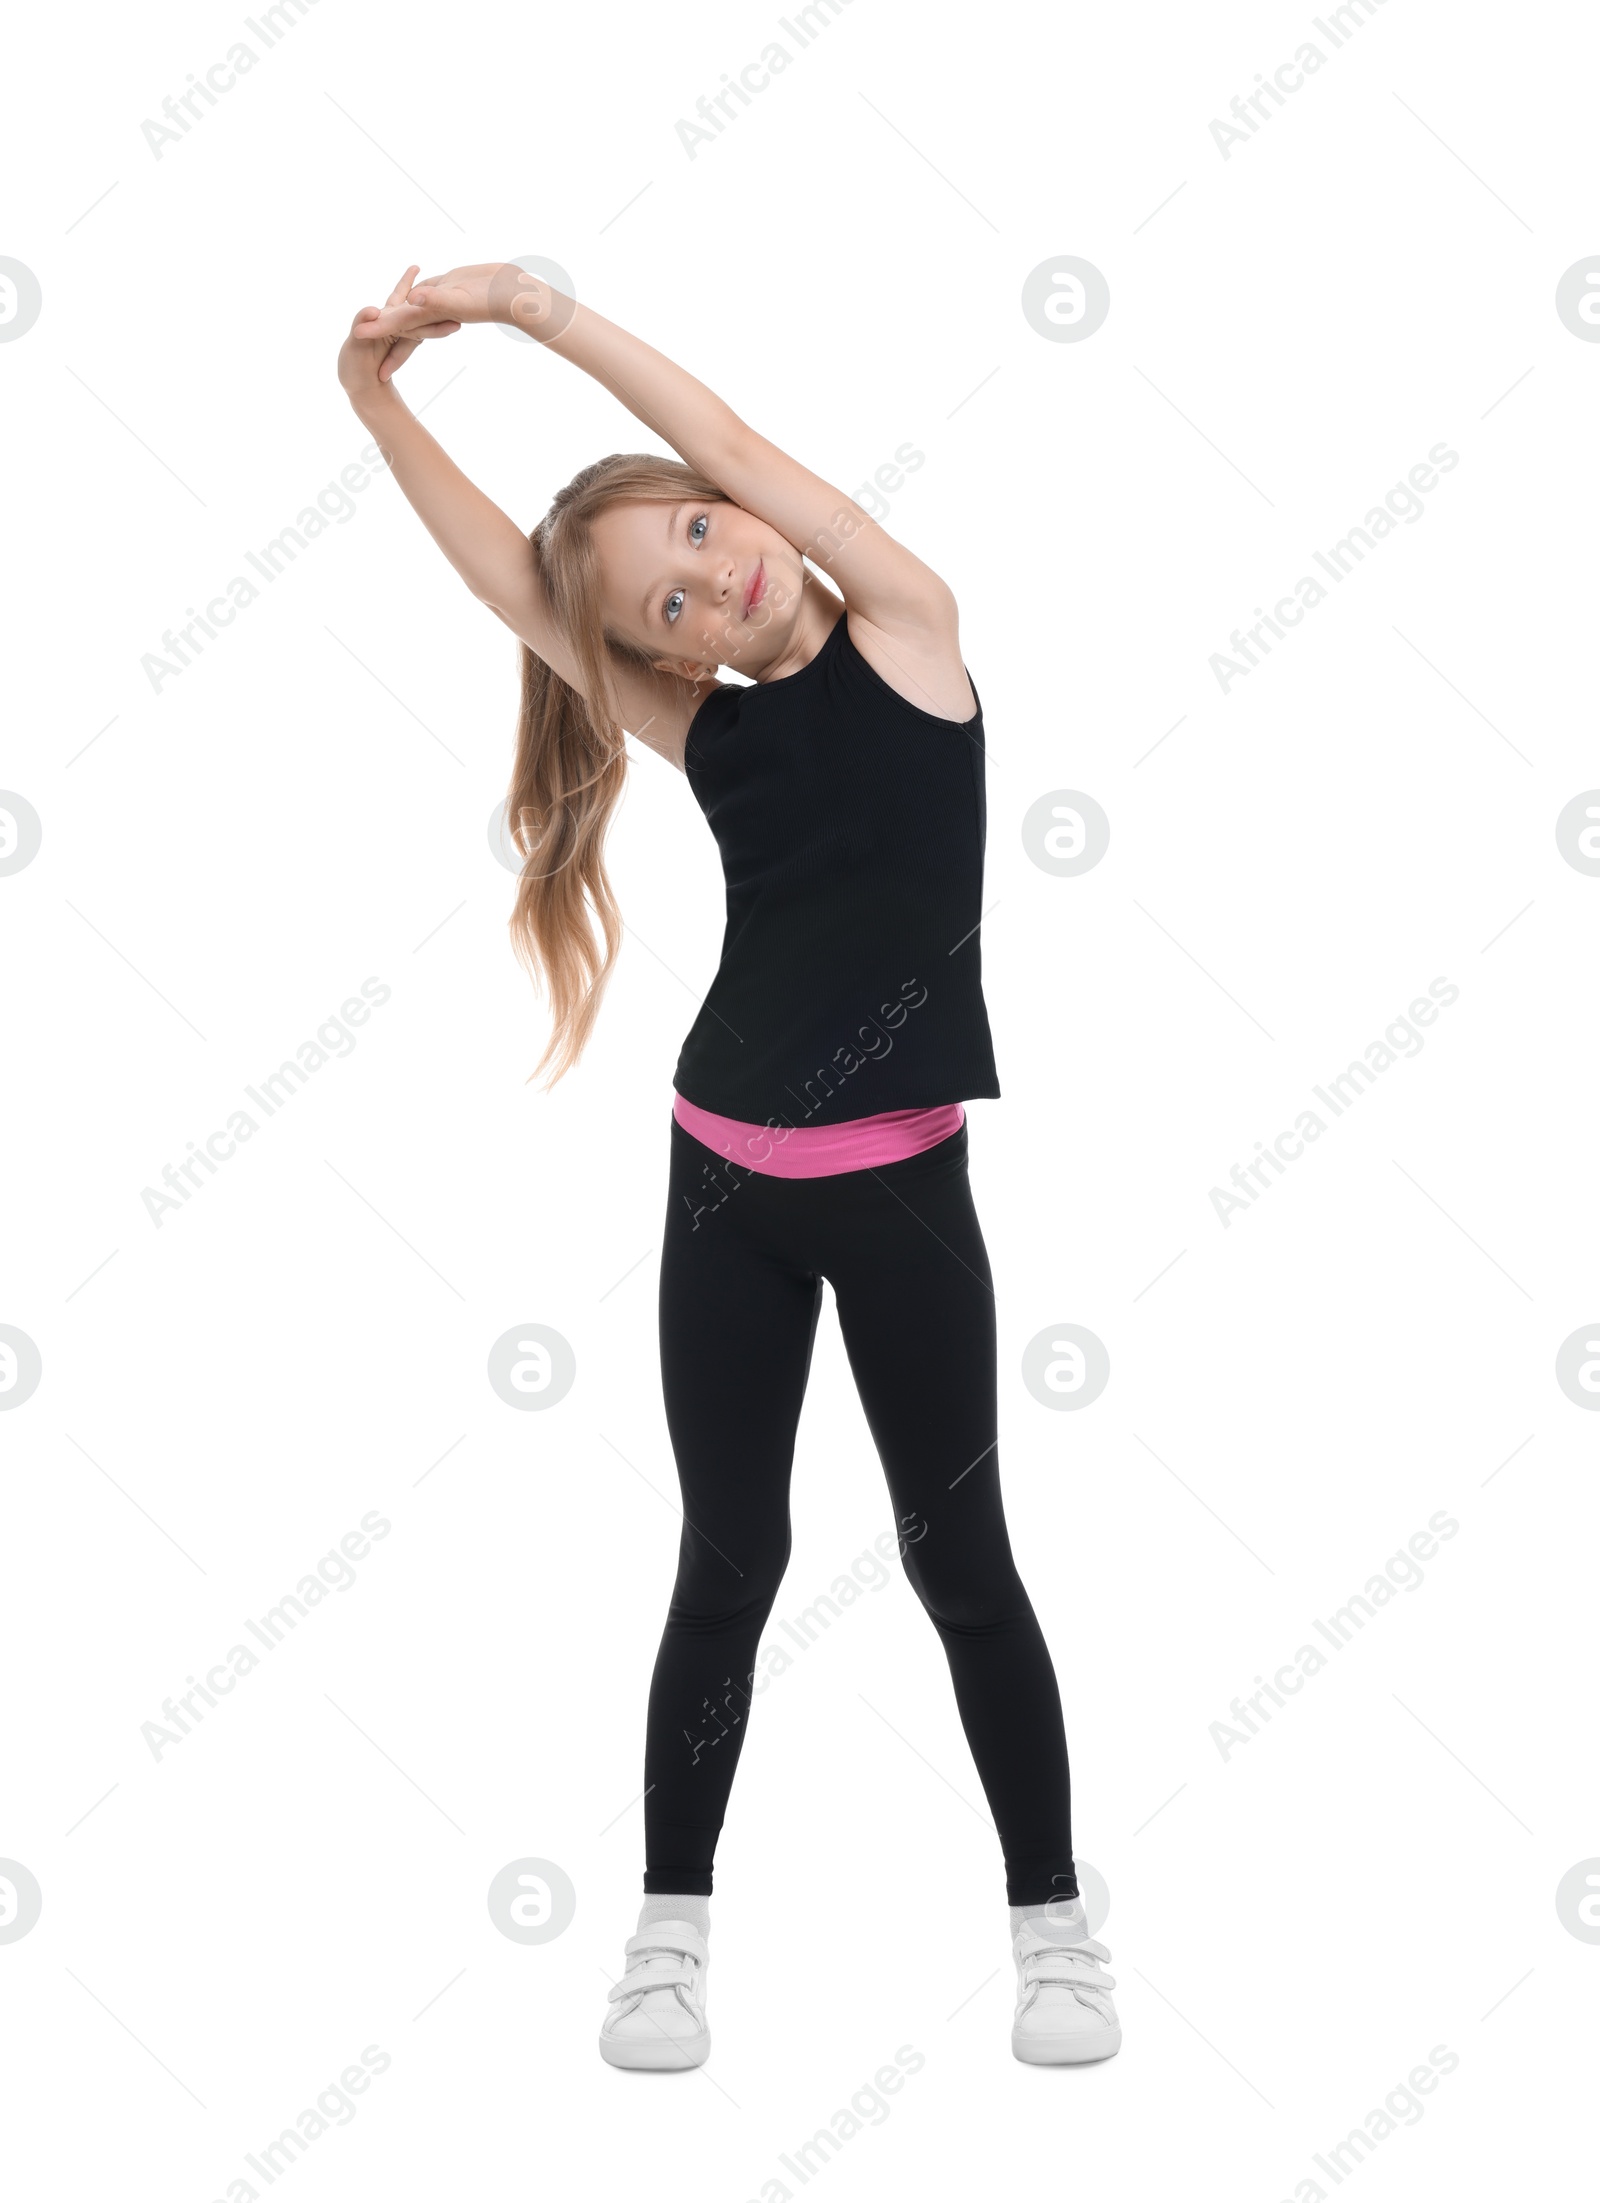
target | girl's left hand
x=492, y=290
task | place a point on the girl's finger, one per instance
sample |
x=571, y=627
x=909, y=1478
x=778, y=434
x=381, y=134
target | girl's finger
x=404, y=284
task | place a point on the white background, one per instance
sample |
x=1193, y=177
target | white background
x=223, y=862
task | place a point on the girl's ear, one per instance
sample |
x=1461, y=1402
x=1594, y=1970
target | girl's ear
x=686, y=669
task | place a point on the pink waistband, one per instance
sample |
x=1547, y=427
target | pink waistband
x=820, y=1150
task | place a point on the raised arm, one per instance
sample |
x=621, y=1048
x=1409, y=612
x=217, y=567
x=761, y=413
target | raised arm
x=484, y=544
x=878, y=578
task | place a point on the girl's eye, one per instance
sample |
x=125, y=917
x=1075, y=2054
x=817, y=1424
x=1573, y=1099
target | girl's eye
x=674, y=604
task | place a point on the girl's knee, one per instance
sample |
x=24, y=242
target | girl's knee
x=964, y=1599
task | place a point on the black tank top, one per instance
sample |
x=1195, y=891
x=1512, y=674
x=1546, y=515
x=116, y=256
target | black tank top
x=851, y=828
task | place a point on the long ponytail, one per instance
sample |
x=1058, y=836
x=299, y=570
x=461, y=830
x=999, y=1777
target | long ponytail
x=571, y=755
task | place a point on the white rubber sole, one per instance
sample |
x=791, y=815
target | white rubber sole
x=658, y=2054
x=1081, y=2049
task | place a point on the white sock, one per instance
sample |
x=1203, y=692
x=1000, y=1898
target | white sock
x=696, y=1910
x=1065, y=1916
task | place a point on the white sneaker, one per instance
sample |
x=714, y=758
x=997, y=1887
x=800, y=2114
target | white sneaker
x=659, y=2019
x=1064, y=2015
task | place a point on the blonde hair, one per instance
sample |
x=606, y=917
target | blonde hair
x=571, y=754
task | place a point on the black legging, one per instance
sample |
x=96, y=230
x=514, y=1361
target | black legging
x=741, y=1289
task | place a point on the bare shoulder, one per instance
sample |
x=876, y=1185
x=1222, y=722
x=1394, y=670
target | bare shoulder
x=659, y=708
x=655, y=708
x=921, y=663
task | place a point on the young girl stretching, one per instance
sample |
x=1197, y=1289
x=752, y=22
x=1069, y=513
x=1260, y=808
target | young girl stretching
x=817, y=1130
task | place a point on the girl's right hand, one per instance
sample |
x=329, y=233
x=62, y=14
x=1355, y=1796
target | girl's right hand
x=381, y=339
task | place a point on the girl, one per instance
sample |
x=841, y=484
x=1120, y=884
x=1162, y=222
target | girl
x=817, y=1129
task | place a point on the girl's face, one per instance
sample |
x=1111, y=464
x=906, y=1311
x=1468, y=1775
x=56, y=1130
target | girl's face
x=696, y=586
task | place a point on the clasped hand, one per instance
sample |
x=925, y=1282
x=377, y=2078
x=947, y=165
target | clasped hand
x=383, y=337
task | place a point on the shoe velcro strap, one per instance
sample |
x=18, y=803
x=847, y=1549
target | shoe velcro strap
x=1069, y=1977
x=669, y=1935
x=665, y=1972
x=1029, y=1944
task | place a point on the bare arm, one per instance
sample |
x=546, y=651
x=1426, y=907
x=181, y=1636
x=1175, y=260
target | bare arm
x=883, y=581
x=484, y=544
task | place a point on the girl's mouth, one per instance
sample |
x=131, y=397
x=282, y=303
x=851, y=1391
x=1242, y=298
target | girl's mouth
x=757, y=587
